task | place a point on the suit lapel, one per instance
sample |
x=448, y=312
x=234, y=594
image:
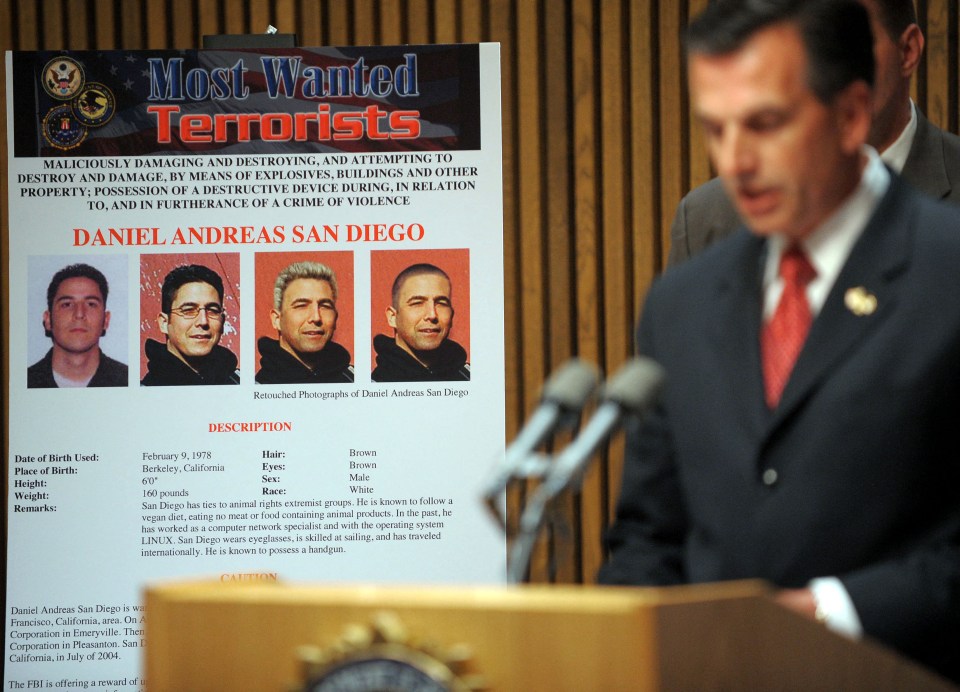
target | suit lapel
x=867, y=279
x=736, y=329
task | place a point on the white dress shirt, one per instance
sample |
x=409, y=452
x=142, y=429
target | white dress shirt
x=828, y=248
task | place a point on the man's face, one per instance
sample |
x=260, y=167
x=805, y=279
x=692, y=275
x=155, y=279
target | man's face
x=193, y=337
x=78, y=317
x=308, y=316
x=891, y=80
x=423, y=315
x=888, y=59
x=786, y=159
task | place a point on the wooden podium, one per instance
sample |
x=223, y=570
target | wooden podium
x=211, y=636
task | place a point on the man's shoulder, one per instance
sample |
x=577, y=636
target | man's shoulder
x=903, y=194
x=912, y=229
x=707, y=197
x=951, y=141
x=40, y=374
x=704, y=216
x=933, y=166
x=455, y=365
x=939, y=223
x=394, y=364
x=951, y=159
x=269, y=349
x=714, y=267
x=220, y=367
x=454, y=349
x=44, y=363
x=277, y=366
x=948, y=141
x=110, y=373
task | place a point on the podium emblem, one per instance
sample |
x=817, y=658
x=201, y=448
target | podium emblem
x=383, y=656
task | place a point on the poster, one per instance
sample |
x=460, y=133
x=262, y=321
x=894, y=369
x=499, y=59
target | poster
x=256, y=331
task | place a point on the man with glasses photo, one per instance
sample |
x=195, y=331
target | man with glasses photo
x=192, y=318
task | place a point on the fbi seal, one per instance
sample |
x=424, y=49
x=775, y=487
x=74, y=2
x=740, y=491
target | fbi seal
x=61, y=128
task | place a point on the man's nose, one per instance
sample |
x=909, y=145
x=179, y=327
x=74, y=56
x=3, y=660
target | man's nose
x=734, y=156
x=316, y=315
x=79, y=310
x=202, y=318
x=431, y=311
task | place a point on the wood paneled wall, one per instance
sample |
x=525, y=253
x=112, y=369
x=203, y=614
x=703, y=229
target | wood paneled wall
x=598, y=150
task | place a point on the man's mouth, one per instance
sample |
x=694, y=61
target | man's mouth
x=756, y=200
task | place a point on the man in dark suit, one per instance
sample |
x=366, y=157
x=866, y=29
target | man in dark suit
x=927, y=157
x=835, y=476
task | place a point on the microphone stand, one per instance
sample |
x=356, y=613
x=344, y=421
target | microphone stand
x=564, y=396
x=555, y=483
x=629, y=392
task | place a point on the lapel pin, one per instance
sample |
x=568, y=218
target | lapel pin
x=860, y=301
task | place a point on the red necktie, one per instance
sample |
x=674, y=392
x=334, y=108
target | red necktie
x=784, y=334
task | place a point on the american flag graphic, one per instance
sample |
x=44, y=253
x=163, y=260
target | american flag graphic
x=448, y=100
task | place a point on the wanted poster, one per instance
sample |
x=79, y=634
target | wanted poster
x=256, y=332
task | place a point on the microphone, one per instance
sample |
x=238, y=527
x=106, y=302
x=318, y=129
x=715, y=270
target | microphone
x=564, y=395
x=630, y=392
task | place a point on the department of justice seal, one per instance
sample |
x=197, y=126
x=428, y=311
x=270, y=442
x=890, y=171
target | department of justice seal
x=62, y=78
x=384, y=657
x=94, y=105
x=61, y=128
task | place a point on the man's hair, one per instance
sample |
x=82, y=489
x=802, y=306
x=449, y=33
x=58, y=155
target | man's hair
x=411, y=271
x=895, y=16
x=74, y=271
x=302, y=270
x=187, y=274
x=836, y=36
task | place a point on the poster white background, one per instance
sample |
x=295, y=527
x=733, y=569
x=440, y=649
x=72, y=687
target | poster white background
x=114, y=462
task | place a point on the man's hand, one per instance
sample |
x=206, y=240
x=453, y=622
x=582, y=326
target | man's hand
x=798, y=600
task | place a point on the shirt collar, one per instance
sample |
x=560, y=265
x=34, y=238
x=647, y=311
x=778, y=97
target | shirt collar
x=829, y=246
x=896, y=154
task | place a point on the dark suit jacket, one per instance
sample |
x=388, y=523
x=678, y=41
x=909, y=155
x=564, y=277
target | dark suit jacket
x=705, y=214
x=855, y=475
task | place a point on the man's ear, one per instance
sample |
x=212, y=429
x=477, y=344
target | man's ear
x=392, y=316
x=275, y=319
x=162, y=322
x=47, y=329
x=854, y=113
x=911, y=49
x=106, y=323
